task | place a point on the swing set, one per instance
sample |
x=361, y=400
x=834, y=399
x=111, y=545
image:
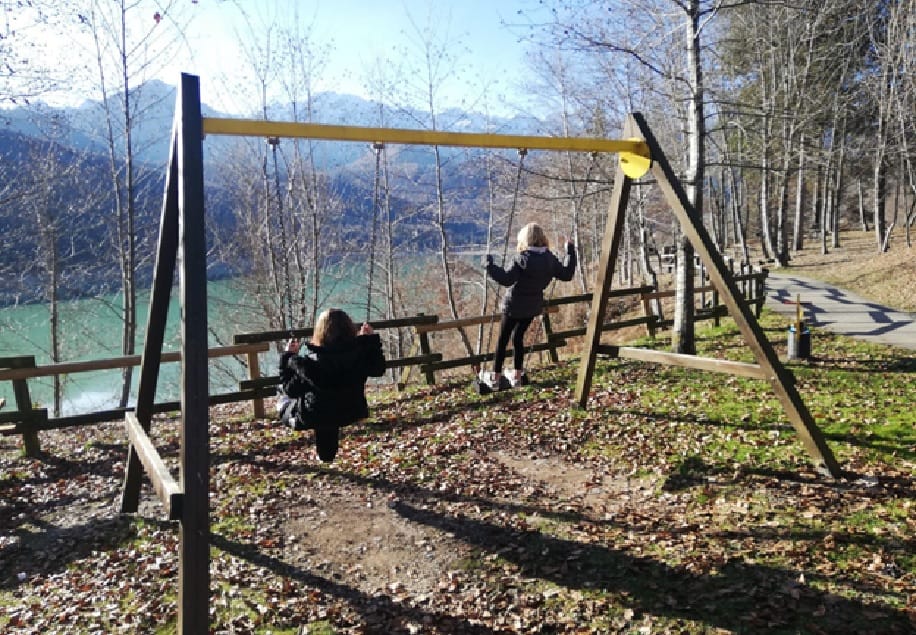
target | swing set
x=182, y=243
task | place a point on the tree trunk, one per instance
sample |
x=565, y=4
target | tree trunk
x=863, y=219
x=798, y=237
x=782, y=246
x=878, y=196
x=682, y=333
x=766, y=236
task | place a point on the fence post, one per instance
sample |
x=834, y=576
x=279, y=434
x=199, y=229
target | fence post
x=31, y=447
x=30, y=443
x=254, y=372
x=647, y=308
x=548, y=331
x=760, y=291
x=426, y=350
x=408, y=371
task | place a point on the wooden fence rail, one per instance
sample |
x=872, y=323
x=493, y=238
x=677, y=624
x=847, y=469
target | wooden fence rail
x=28, y=421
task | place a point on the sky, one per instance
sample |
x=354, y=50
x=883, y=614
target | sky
x=360, y=32
x=355, y=33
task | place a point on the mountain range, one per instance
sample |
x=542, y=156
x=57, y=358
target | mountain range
x=82, y=200
x=83, y=127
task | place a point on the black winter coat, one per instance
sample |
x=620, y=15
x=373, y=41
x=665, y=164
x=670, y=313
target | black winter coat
x=328, y=383
x=530, y=273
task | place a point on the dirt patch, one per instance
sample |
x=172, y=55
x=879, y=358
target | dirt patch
x=609, y=494
x=362, y=539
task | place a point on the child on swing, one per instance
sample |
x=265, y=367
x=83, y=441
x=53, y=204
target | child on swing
x=531, y=271
x=324, y=386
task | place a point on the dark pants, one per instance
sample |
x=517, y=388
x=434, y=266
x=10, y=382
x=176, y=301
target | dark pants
x=514, y=328
x=327, y=438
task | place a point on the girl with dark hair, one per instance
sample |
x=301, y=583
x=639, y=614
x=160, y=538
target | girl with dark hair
x=324, y=381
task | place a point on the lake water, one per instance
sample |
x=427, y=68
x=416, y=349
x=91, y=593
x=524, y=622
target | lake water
x=91, y=329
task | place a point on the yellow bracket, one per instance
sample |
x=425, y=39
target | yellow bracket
x=635, y=165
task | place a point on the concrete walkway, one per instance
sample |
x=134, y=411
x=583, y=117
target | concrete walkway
x=834, y=309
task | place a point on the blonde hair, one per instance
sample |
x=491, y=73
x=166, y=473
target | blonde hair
x=531, y=235
x=333, y=326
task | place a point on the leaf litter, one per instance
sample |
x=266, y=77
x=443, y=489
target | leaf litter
x=675, y=503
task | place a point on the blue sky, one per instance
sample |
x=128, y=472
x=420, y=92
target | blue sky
x=357, y=33
x=360, y=32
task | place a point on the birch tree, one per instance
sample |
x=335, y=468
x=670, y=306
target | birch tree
x=648, y=34
x=431, y=52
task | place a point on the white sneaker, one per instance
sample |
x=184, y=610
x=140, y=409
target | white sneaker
x=488, y=378
x=514, y=377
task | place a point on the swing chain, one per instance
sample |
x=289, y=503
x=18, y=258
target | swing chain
x=376, y=204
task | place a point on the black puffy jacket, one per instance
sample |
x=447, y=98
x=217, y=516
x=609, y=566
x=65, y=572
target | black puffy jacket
x=328, y=382
x=530, y=273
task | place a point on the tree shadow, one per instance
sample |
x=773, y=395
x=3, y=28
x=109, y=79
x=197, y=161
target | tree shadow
x=24, y=499
x=381, y=614
x=896, y=365
x=44, y=548
x=738, y=595
x=903, y=446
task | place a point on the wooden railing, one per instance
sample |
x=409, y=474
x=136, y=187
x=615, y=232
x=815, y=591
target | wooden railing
x=28, y=421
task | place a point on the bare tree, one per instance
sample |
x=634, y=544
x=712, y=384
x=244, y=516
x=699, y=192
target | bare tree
x=430, y=42
x=28, y=68
x=665, y=26
x=891, y=87
x=123, y=55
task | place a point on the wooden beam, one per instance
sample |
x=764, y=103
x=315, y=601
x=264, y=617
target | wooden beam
x=607, y=326
x=164, y=484
x=18, y=361
x=194, y=456
x=110, y=363
x=742, y=369
x=163, y=277
x=472, y=360
x=399, y=362
x=31, y=447
x=780, y=379
x=587, y=297
x=288, y=129
x=36, y=415
x=468, y=321
x=254, y=372
x=305, y=332
x=610, y=245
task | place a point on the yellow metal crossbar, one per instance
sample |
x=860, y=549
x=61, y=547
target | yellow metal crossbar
x=260, y=128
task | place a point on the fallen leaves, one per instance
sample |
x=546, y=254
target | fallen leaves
x=449, y=512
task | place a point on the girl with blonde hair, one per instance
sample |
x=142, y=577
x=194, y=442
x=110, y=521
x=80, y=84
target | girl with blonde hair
x=532, y=269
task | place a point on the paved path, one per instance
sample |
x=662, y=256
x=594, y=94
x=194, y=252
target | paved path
x=826, y=306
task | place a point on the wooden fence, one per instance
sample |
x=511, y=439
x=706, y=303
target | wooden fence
x=28, y=421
